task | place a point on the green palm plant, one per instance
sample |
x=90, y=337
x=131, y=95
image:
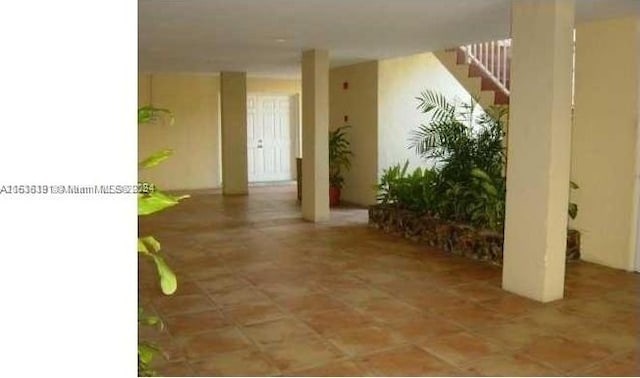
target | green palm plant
x=465, y=146
x=339, y=155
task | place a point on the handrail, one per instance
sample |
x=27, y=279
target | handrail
x=493, y=57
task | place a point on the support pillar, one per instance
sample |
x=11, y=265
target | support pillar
x=233, y=104
x=315, y=139
x=539, y=148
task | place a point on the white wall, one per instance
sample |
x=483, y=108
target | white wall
x=400, y=81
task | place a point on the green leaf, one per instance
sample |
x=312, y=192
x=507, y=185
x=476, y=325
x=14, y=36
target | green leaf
x=155, y=159
x=150, y=113
x=479, y=173
x=168, y=280
x=146, y=352
x=148, y=244
x=488, y=188
x=156, y=201
x=149, y=320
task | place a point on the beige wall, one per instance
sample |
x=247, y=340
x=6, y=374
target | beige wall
x=233, y=122
x=195, y=136
x=315, y=131
x=360, y=103
x=276, y=86
x=400, y=81
x=381, y=106
x=604, y=139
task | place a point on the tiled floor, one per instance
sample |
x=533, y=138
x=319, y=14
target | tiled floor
x=262, y=292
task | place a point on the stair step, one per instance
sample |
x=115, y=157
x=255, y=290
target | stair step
x=475, y=70
x=489, y=85
x=461, y=56
x=473, y=77
x=500, y=98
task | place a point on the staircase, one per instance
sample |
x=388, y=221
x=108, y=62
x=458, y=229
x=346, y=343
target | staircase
x=482, y=68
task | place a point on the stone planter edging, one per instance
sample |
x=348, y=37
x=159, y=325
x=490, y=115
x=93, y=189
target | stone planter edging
x=458, y=239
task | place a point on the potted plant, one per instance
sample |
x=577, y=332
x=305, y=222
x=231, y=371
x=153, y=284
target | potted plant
x=339, y=160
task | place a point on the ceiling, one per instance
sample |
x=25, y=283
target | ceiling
x=266, y=37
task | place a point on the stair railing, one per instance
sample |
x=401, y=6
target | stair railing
x=494, y=57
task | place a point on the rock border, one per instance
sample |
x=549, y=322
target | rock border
x=458, y=239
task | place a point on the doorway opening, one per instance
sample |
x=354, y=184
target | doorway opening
x=272, y=137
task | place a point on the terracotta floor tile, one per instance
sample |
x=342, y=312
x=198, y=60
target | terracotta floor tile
x=481, y=271
x=552, y=319
x=469, y=315
x=184, y=288
x=253, y=312
x=406, y=288
x=328, y=322
x=388, y=310
x=375, y=277
x=175, y=369
x=361, y=340
x=333, y=369
x=509, y=365
x=307, y=304
x=584, y=290
x=288, y=287
x=562, y=354
x=168, y=351
x=240, y=363
x=169, y=305
x=425, y=327
x=407, y=361
x=223, y=284
x=205, y=272
x=629, y=324
x=511, y=306
x=626, y=366
x=358, y=295
x=238, y=296
x=278, y=331
x=602, y=335
x=460, y=349
x=434, y=300
x=222, y=340
x=512, y=334
x=302, y=353
x=596, y=309
x=191, y=323
x=479, y=291
x=449, y=278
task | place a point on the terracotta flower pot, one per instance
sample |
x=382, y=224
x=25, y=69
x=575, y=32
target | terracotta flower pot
x=334, y=196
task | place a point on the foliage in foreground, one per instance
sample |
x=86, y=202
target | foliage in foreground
x=150, y=202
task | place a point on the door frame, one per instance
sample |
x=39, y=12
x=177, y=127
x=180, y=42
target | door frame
x=294, y=123
x=635, y=234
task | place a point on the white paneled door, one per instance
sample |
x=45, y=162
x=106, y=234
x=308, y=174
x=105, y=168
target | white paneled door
x=269, y=137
